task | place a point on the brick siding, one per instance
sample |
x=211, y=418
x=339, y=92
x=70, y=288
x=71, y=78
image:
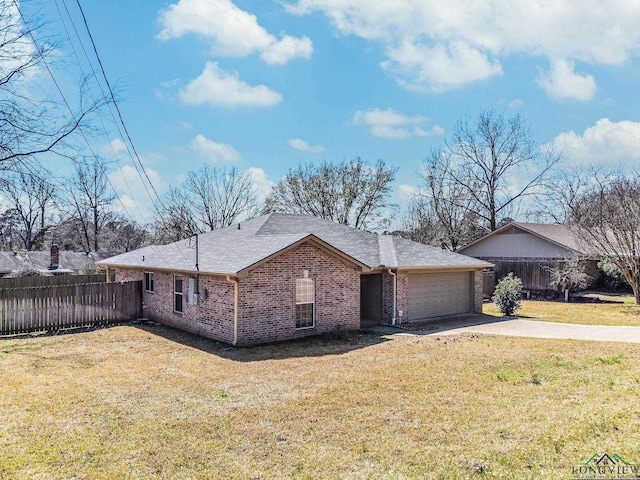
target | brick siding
x=402, y=290
x=212, y=317
x=478, y=285
x=266, y=298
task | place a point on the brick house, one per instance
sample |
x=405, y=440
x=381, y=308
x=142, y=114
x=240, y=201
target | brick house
x=281, y=276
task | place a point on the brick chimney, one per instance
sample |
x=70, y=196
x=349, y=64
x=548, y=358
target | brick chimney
x=55, y=257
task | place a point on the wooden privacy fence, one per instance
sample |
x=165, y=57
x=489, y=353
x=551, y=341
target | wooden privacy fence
x=38, y=281
x=534, y=273
x=53, y=308
x=488, y=283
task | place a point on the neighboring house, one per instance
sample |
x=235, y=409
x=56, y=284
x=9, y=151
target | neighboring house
x=281, y=276
x=49, y=262
x=531, y=251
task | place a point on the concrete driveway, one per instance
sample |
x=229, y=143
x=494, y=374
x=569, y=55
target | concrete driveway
x=518, y=328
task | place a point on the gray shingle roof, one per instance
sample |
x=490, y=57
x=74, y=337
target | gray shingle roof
x=554, y=232
x=557, y=233
x=40, y=260
x=231, y=250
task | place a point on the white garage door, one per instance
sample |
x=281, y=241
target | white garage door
x=438, y=294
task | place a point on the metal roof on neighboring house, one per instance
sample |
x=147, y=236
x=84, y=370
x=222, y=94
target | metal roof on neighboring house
x=234, y=249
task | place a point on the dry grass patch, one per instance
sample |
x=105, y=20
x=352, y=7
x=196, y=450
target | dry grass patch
x=615, y=310
x=151, y=402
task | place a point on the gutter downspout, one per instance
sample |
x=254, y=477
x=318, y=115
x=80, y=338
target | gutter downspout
x=395, y=278
x=235, y=308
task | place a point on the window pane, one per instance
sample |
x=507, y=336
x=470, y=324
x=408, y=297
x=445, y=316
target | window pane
x=193, y=291
x=304, y=290
x=148, y=281
x=178, y=284
x=178, y=302
x=304, y=315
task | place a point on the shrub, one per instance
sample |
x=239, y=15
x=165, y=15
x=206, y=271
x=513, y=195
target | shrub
x=507, y=295
x=612, y=277
x=570, y=275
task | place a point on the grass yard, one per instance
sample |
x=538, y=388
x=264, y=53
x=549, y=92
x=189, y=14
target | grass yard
x=149, y=402
x=616, y=310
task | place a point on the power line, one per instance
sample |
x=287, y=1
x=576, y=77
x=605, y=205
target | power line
x=104, y=129
x=113, y=98
x=77, y=121
x=119, y=114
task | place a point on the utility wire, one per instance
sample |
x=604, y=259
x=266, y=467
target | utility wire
x=104, y=129
x=117, y=108
x=33, y=39
x=113, y=98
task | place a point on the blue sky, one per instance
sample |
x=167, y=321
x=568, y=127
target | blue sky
x=265, y=84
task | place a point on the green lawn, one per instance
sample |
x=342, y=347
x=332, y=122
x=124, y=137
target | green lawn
x=129, y=402
x=616, y=310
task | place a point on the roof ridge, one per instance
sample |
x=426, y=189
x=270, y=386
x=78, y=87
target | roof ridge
x=387, y=251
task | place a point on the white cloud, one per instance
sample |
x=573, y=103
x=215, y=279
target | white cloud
x=563, y=82
x=114, y=149
x=118, y=145
x=18, y=47
x=299, y=144
x=218, y=87
x=406, y=192
x=514, y=103
x=425, y=69
x=281, y=52
x=132, y=193
x=232, y=31
x=260, y=182
x=213, y=151
x=440, y=44
x=390, y=124
x=434, y=131
x=606, y=143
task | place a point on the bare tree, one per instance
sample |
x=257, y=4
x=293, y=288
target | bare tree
x=420, y=222
x=570, y=275
x=449, y=203
x=486, y=160
x=607, y=220
x=123, y=235
x=352, y=193
x=89, y=201
x=174, y=218
x=209, y=198
x=31, y=124
x=30, y=195
x=9, y=229
x=560, y=192
x=220, y=196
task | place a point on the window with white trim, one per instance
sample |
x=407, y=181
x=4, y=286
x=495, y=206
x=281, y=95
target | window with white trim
x=305, y=303
x=177, y=293
x=148, y=281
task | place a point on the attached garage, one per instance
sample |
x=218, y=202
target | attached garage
x=431, y=295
